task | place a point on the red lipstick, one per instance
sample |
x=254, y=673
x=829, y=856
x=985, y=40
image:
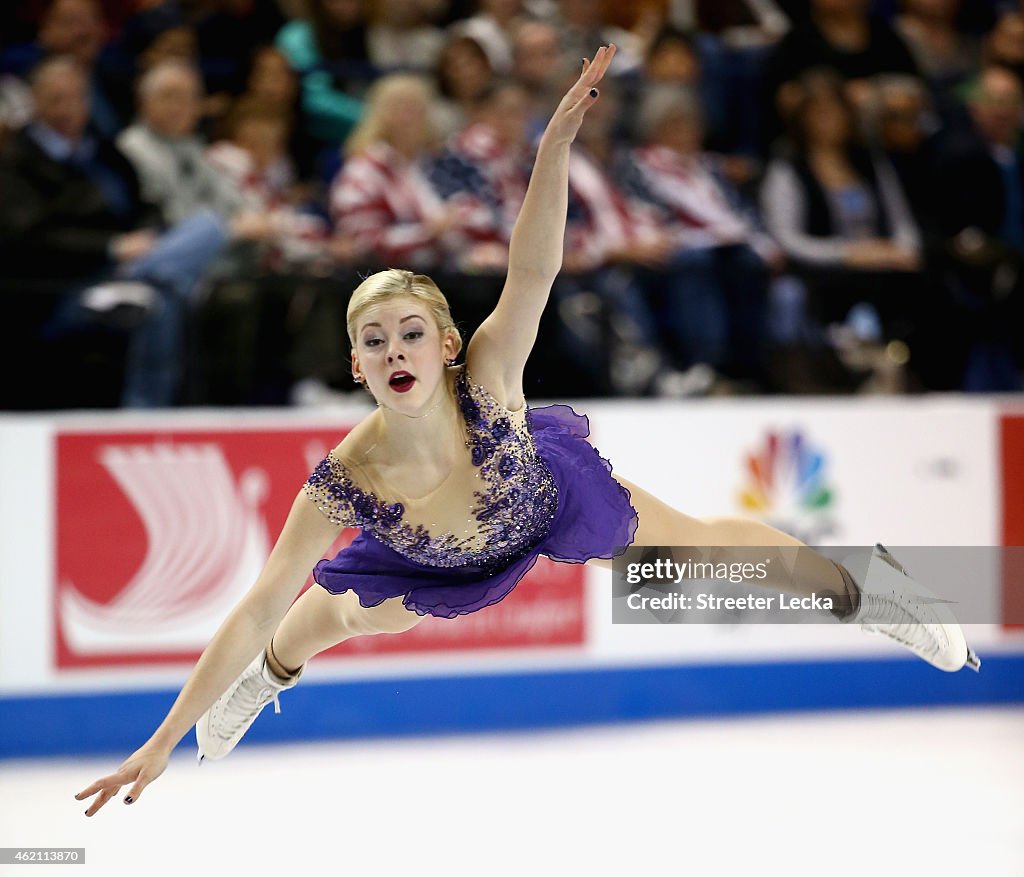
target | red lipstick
x=401, y=381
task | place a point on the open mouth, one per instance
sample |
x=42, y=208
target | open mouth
x=401, y=382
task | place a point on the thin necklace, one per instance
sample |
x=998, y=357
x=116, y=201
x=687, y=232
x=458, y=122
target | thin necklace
x=413, y=416
x=431, y=409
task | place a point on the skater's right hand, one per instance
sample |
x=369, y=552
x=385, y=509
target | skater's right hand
x=141, y=767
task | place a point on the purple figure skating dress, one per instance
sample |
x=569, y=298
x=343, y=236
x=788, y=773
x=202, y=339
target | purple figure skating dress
x=544, y=490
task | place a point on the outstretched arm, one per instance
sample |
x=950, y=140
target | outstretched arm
x=306, y=535
x=502, y=344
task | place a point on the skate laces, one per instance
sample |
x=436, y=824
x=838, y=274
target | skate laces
x=247, y=702
x=893, y=615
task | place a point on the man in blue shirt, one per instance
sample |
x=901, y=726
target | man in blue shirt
x=72, y=218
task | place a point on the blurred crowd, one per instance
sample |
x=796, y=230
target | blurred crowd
x=771, y=196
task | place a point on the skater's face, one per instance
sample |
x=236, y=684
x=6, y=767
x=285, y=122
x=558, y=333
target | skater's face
x=400, y=354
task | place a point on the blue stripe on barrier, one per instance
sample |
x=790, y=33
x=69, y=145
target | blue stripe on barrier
x=79, y=724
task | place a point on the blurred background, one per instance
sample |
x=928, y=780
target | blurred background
x=792, y=289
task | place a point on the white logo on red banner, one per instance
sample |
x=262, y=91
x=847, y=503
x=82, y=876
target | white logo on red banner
x=160, y=535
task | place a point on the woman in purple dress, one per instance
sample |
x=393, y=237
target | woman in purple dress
x=458, y=487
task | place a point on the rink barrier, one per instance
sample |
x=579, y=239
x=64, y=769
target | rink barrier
x=119, y=722
x=84, y=669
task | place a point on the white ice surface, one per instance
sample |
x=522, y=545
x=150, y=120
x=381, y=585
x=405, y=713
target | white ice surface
x=926, y=792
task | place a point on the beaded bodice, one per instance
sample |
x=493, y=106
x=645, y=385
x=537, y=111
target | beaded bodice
x=513, y=494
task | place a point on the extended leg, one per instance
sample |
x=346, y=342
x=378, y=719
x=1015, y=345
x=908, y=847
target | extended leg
x=316, y=621
x=319, y=620
x=882, y=599
x=806, y=571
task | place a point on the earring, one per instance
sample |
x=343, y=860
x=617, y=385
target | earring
x=451, y=361
x=357, y=378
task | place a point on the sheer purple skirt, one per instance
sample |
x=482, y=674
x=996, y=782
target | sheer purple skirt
x=594, y=519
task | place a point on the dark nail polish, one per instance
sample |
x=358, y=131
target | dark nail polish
x=128, y=799
x=593, y=92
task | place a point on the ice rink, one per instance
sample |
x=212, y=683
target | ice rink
x=924, y=792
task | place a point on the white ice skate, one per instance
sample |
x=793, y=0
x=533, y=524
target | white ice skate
x=895, y=605
x=225, y=723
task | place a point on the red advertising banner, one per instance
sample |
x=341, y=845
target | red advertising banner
x=160, y=533
x=1011, y=454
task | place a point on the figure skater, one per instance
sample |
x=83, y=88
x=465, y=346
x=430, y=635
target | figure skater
x=458, y=487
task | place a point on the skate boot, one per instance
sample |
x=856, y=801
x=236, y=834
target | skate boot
x=892, y=604
x=221, y=727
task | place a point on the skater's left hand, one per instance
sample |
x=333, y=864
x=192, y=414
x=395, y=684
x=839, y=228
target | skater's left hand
x=568, y=116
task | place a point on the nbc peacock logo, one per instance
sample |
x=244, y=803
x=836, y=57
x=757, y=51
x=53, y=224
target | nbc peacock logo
x=787, y=486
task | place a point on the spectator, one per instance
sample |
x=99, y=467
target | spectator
x=72, y=218
x=839, y=35
x=15, y=105
x=581, y=25
x=483, y=170
x=56, y=148
x=253, y=157
x=262, y=325
x=464, y=75
x=166, y=150
x=172, y=39
x=273, y=84
x=177, y=43
x=384, y=208
x=906, y=130
x=945, y=55
x=482, y=173
x=229, y=32
x=221, y=36
x=840, y=214
x=982, y=215
x=538, y=64
x=77, y=28
x=271, y=80
x=73, y=27
x=715, y=295
x=168, y=153
x=1005, y=44
x=161, y=32
x=330, y=53
x=606, y=313
x=738, y=23
x=673, y=58
x=493, y=27
x=402, y=37
x=735, y=39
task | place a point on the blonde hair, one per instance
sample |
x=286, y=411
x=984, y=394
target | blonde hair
x=382, y=286
x=378, y=114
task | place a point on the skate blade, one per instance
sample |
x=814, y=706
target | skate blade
x=889, y=559
x=201, y=757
